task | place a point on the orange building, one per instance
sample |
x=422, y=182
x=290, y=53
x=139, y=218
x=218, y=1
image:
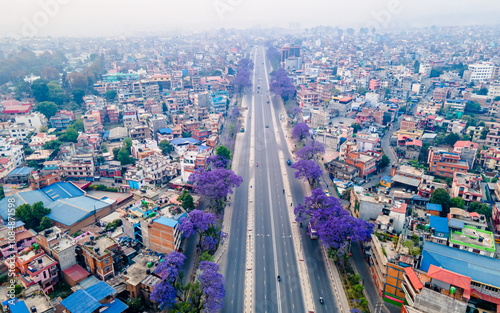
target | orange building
x=445, y=164
x=161, y=235
x=41, y=179
x=98, y=253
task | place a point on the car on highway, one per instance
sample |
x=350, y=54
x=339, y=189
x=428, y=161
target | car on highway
x=267, y=125
x=327, y=192
x=288, y=162
x=242, y=130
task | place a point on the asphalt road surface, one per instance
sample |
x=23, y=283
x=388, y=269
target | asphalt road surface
x=274, y=254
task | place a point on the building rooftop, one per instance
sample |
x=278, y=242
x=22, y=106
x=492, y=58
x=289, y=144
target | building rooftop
x=480, y=268
x=102, y=243
x=21, y=171
x=440, y=224
x=474, y=238
x=434, y=207
x=137, y=272
x=166, y=221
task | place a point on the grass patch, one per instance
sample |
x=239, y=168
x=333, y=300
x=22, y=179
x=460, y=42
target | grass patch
x=62, y=289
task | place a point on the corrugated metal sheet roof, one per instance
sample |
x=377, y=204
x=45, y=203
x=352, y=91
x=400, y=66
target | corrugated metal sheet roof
x=440, y=224
x=114, y=307
x=80, y=302
x=100, y=290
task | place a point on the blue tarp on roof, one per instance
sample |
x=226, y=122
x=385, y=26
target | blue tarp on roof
x=166, y=221
x=434, y=207
x=80, y=302
x=100, y=290
x=21, y=171
x=165, y=131
x=201, y=148
x=478, y=267
x=106, y=134
x=184, y=141
x=18, y=307
x=440, y=224
x=387, y=178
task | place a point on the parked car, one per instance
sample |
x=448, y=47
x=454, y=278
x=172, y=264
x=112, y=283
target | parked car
x=288, y=162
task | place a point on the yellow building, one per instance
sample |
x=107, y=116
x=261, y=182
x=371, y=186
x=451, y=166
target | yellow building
x=490, y=159
x=474, y=132
x=410, y=133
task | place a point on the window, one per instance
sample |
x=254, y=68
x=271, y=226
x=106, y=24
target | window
x=473, y=283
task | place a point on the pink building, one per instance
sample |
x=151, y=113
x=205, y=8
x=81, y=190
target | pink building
x=40, y=270
x=23, y=239
x=113, y=114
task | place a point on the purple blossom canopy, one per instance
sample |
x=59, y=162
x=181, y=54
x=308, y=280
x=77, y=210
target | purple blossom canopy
x=300, y=131
x=164, y=292
x=307, y=170
x=334, y=226
x=215, y=161
x=281, y=84
x=213, y=287
x=215, y=184
x=310, y=150
x=294, y=111
x=197, y=221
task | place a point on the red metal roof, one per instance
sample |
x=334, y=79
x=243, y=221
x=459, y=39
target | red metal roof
x=451, y=278
x=412, y=276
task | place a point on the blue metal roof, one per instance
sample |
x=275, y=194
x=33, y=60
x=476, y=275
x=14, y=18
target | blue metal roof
x=440, y=224
x=165, y=131
x=80, y=302
x=478, y=267
x=100, y=290
x=387, y=178
x=19, y=307
x=106, y=134
x=115, y=307
x=201, y=148
x=434, y=207
x=21, y=171
x=184, y=141
x=67, y=203
x=166, y=221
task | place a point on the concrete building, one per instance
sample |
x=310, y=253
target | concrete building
x=481, y=71
x=62, y=119
x=80, y=166
x=466, y=186
x=158, y=169
x=40, y=269
x=445, y=163
x=58, y=245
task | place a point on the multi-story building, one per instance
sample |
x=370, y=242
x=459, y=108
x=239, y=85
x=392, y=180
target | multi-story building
x=466, y=186
x=490, y=160
x=19, y=131
x=474, y=132
x=493, y=136
x=100, y=254
x=58, y=245
x=143, y=149
x=367, y=142
x=62, y=119
x=36, y=267
x=155, y=124
x=460, y=217
x=38, y=140
x=161, y=234
x=110, y=169
x=308, y=97
x=79, y=167
x=367, y=164
x=113, y=114
x=440, y=94
x=43, y=178
x=135, y=177
x=481, y=71
x=22, y=239
x=445, y=163
x=374, y=84
x=428, y=185
x=11, y=156
x=158, y=169
x=92, y=123
x=139, y=132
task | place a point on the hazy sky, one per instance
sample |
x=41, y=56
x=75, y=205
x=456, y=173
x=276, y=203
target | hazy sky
x=129, y=17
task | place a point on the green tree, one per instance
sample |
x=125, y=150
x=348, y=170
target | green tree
x=457, y=202
x=124, y=156
x=165, y=147
x=136, y=305
x=47, y=108
x=480, y=208
x=40, y=90
x=18, y=289
x=346, y=194
x=115, y=153
x=45, y=223
x=416, y=66
x=111, y=95
x=472, y=107
x=482, y=92
x=356, y=127
x=187, y=200
x=387, y=118
x=78, y=95
x=451, y=139
x=164, y=107
x=361, y=91
x=223, y=152
x=385, y=161
x=70, y=135
x=441, y=196
x=32, y=215
x=484, y=133
x=2, y=193
x=206, y=257
x=128, y=144
x=77, y=125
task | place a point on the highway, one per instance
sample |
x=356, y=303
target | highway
x=274, y=254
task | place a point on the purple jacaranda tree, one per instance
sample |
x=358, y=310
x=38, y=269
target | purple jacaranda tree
x=215, y=161
x=310, y=150
x=215, y=184
x=164, y=293
x=294, y=111
x=281, y=84
x=235, y=113
x=307, y=170
x=334, y=226
x=242, y=78
x=213, y=286
x=300, y=131
x=197, y=221
x=273, y=55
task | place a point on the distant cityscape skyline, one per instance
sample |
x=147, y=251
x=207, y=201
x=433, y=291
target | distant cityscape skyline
x=105, y=18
